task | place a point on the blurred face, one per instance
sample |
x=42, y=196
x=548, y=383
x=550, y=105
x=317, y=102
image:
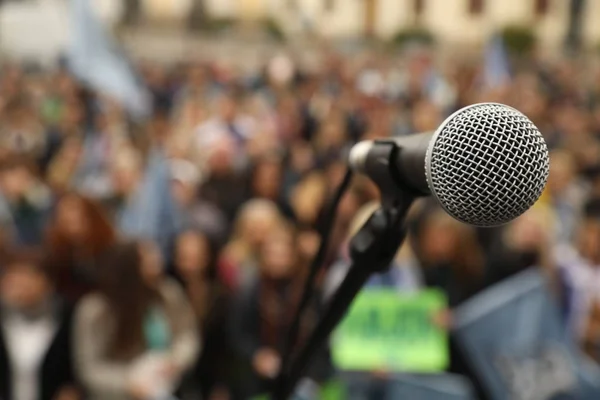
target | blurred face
x=589, y=237
x=227, y=108
x=527, y=233
x=439, y=239
x=191, y=254
x=267, y=180
x=72, y=115
x=23, y=288
x=561, y=173
x=426, y=117
x=160, y=127
x=307, y=201
x=278, y=255
x=183, y=193
x=197, y=76
x=70, y=216
x=221, y=159
x=15, y=182
x=258, y=226
x=125, y=177
x=151, y=263
x=332, y=135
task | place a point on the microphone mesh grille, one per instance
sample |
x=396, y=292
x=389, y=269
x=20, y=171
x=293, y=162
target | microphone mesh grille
x=487, y=164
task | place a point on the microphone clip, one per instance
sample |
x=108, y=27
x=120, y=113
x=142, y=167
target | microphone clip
x=381, y=169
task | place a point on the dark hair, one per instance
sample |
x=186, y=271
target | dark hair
x=15, y=162
x=31, y=259
x=129, y=298
x=591, y=209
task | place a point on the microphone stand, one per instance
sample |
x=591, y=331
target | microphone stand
x=372, y=250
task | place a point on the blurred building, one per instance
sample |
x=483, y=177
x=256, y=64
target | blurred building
x=455, y=22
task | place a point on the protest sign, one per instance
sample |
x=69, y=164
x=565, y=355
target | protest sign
x=512, y=336
x=388, y=330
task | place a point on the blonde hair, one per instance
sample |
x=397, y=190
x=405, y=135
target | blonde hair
x=310, y=191
x=252, y=209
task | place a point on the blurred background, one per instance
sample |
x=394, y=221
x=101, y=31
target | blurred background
x=165, y=167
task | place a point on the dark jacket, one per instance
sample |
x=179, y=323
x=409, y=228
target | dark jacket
x=57, y=367
x=246, y=326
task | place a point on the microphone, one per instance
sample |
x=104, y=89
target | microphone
x=486, y=164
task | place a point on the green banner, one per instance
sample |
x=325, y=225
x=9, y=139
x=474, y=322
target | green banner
x=387, y=330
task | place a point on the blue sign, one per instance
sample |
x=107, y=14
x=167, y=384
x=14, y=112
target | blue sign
x=514, y=339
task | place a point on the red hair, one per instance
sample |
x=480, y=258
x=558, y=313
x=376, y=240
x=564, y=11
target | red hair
x=64, y=253
x=98, y=239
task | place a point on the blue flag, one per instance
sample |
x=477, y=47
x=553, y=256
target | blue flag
x=496, y=68
x=96, y=59
x=514, y=339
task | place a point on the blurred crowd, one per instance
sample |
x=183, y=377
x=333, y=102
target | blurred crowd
x=146, y=258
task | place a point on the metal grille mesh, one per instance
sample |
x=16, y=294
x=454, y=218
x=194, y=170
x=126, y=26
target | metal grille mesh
x=487, y=164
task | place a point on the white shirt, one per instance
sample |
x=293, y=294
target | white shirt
x=27, y=342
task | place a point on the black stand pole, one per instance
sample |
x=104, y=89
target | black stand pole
x=372, y=250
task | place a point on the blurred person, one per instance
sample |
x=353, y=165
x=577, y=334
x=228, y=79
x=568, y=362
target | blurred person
x=307, y=199
x=195, y=264
x=20, y=131
x=187, y=116
x=228, y=122
x=449, y=255
x=256, y=220
x=136, y=336
x=426, y=117
x=566, y=193
x=63, y=166
x=70, y=127
x=78, y=235
x=267, y=182
x=11, y=83
x=263, y=311
x=197, y=83
x=25, y=202
x=109, y=136
x=331, y=137
x=526, y=242
x=290, y=120
x=301, y=160
x=195, y=210
x=159, y=128
x=578, y=268
x=571, y=125
x=263, y=143
x=143, y=205
x=227, y=181
x=35, y=333
x=127, y=171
